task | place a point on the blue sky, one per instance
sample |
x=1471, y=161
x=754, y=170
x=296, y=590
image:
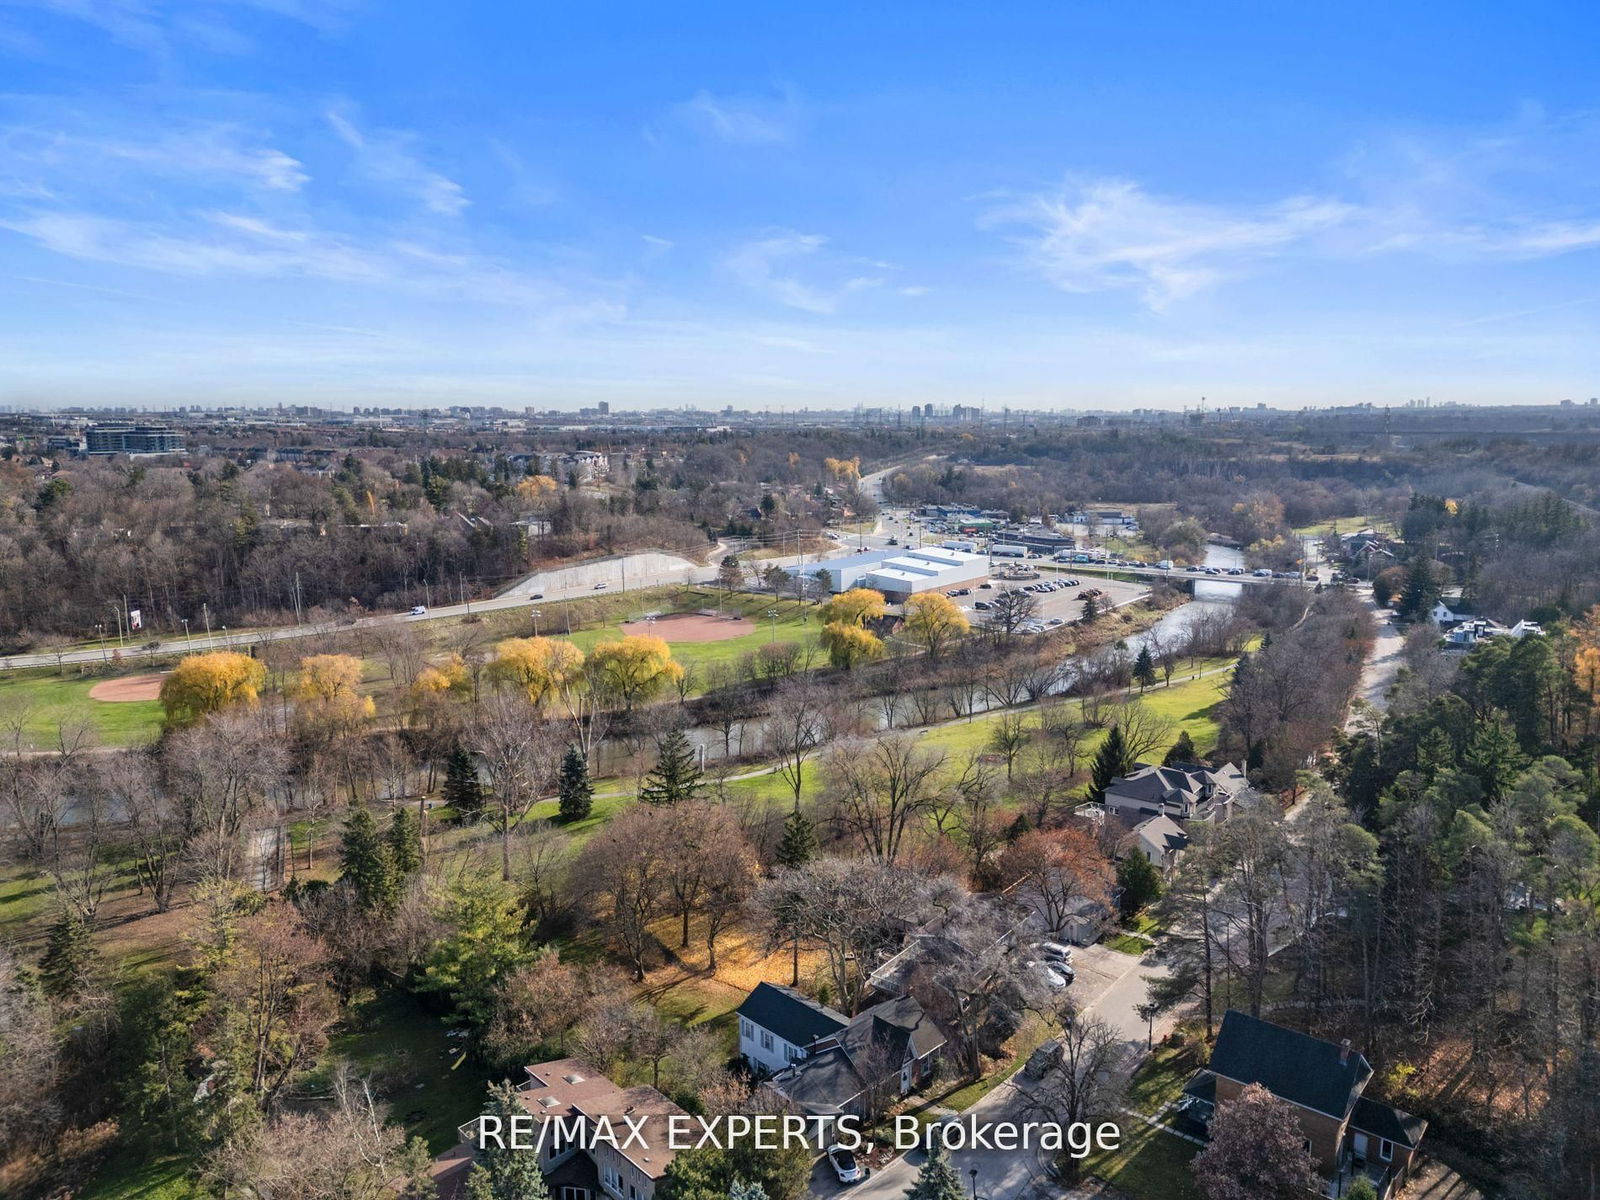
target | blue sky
x=1036, y=204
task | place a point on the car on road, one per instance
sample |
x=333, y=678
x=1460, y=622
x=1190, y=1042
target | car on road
x=894, y=541
x=1235, y=570
x=1054, y=621
x=986, y=585
x=1262, y=573
x=418, y=610
x=844, y=1164
x=600, y=587
x=535, y=595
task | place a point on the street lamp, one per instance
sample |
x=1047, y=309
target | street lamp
x=973, y=1172
x=536, y=622
x=186, y=640
x=773, y=613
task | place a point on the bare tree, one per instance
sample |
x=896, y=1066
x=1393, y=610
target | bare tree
x=625, y=872
x=1085, y=1080
x=877, y=792
x=519, y=753
x=796, y=727
x=1012, y=609
x=853, y=910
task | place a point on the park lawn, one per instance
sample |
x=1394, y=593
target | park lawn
x=132, y=1172
x=1187, y=703
x=1148, y=1165
x=25, y=897
x=1126, y=943
x=1347, y=525
x=1160, y=1078
x=45, y=701
x=795, y=623
x=431, y=1083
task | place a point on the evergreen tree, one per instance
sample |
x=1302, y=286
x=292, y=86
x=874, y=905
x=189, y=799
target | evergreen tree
x=1421, y=592
x=1182, y=751
x=69, y=957
x=799, y=843
x=462, y=789
x=1140, y=882
x=1018, y=827
x=1144, y=669
x=1110, y=762
x=575, y=794
x=502, y=1173
x=405, y=844
x=1091, y=610
x=937, y=1179
x=676, y=775
x=746, y=1191
x=364, y=861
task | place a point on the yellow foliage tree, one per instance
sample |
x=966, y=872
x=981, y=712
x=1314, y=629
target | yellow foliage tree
x=933, y=620
x=633, y=669
x=536, y=666
x=847, y=470
x=327, y=676
x=327, y=695
x=535, y=488
x=204, y=683
x=855, y=607
x=447, y=676
x=1586, y=672
x=848, y=645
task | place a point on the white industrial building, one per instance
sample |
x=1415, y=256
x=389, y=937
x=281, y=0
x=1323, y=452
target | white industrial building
x=901, y=573
x=926, y=570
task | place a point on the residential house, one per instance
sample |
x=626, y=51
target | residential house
x=570, y=1088
x=1185, y=792
x=1447, y=612
x=1347, y=1133
x=890, y=1049
x=1160, y=839
x=777, y=1024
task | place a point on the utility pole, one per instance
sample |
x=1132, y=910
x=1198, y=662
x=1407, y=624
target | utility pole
x=297, y=598
x=205, y=611
x=187, y=641
x=117, y=612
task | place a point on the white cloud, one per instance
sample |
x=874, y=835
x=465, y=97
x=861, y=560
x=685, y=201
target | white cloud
x=1106, y=234
x=388, y=158
x=741, y=121
x=758, y=265
x=195, y=151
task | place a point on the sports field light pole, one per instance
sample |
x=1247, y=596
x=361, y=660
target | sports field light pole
x=536, y=622
x=773, y=613
x=187, y=641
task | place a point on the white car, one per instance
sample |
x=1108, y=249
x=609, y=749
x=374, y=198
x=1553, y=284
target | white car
x=1055, y=951
x=418, y=610
x=1053, y=975
x=600, y=587
x=844, y=1164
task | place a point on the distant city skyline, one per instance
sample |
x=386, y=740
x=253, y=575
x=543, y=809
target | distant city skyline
x=329, y=202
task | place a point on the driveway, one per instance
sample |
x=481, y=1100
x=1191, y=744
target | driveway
x=1108, y=984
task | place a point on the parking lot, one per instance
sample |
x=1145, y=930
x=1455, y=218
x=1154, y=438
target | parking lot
x=1063, y=604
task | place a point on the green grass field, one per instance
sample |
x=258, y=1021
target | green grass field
x=795, y=622
x=1347, y=525
x=1149, y=1164
x=43, y=701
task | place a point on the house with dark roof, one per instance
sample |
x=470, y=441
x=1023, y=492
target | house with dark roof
x=778, y=1024
x=889, y=1050
x=1184, y=791
x=1347, y=1133
x=1159, y=838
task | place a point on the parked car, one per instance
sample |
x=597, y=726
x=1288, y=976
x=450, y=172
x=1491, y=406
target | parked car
x=844, y=1164
x=418, y=610
x=1054, y=621
x=1235, y=570
x=982, y=606
x=894, y=541
x=1042, y=1059
x=600, y=587
x=1055, y=951
x=986, y=585
x=1262, y=573
x=1053, y=975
